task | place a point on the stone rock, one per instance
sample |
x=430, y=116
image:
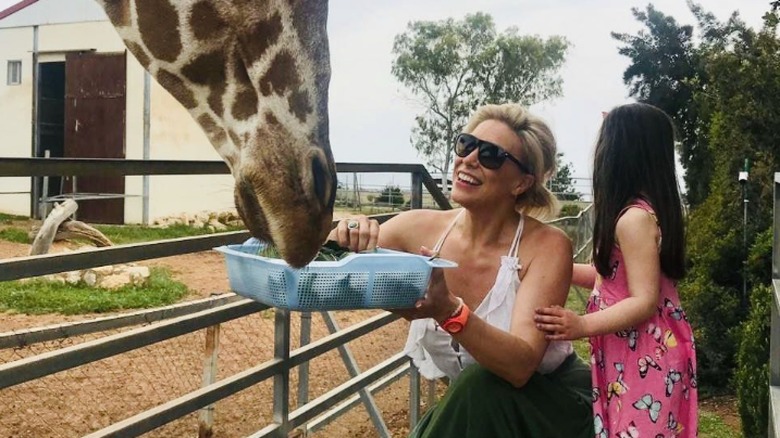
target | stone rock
x=115, y=281
x=90, y=277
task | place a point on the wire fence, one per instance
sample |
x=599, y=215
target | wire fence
x=93, y=396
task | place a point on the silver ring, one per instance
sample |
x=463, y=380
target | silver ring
x=353, y=225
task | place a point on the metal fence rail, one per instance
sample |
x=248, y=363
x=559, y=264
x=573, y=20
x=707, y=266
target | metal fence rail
x=774, y=347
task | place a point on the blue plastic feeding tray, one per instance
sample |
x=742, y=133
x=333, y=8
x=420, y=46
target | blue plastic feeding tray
x=384, y=279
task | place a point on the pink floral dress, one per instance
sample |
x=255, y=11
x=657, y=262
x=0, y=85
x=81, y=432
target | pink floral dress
x=644, y=378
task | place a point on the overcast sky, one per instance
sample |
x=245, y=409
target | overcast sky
x=372, y=115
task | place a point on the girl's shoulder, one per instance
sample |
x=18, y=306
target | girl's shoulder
x=636, y=222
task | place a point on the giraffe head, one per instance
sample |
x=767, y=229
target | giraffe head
x=254, y=75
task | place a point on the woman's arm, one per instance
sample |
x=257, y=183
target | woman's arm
x=583, y=275
x=515, y=355
x=637, y=233
x=404, y=232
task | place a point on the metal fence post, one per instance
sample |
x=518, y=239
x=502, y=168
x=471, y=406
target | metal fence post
x=414, y=395
x=417, y=191
x=303, y=369
x=206, y=417
x=282, y=380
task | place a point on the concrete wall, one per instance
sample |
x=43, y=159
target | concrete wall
x=174, y=135
x=15, y=116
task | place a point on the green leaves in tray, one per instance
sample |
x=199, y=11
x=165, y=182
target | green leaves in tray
x=330, y=252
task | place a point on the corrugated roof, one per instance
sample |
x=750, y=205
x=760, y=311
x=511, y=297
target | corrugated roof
x=16, y=8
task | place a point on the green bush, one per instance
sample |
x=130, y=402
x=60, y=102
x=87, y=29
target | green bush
x=569, y=210
x=752, y=374
x=390, y=195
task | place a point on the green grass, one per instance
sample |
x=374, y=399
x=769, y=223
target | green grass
x=575, y=303
x=41, y=296
x=712, y=426
x=122, y=234
x=13, y=234
x=8, y=218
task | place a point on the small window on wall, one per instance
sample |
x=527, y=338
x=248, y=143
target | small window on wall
x=14, y=72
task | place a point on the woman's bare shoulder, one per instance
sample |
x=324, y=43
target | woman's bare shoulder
x=546, y=234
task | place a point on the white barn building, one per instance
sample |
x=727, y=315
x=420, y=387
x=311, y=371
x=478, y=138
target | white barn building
x=68, y=88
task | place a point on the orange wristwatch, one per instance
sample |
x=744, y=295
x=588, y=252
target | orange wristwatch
x=458, y=319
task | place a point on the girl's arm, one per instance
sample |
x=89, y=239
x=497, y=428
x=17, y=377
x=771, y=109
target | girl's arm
x=637, y=233
x=583, y=275
x=516, y=354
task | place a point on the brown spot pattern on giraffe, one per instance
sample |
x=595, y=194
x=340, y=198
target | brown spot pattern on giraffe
x=158, y=23
x=118, y=12
x=209, y=69
x=205, y=21
x=281, y=75
x=215, y=132
x=260, y=36
x=177, y=88
x=245, y=103
x=139, y=54
x=300, y=104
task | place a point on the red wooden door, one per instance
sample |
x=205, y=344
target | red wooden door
x=95, y=102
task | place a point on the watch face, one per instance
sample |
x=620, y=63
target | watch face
x=454, y=327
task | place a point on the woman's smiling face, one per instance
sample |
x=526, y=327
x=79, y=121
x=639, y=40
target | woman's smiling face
x=473, y=182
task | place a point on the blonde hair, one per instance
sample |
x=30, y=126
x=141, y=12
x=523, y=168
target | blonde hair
x=539, y=152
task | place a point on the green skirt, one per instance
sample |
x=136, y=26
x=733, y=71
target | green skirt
x=481, y=404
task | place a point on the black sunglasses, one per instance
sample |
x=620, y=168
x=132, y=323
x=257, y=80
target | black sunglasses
x=490, y=156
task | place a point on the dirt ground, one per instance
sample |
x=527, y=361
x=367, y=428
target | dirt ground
x=90, y=397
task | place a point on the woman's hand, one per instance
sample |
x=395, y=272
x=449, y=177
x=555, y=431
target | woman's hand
x=560, y=324
x=438, y=303
x=358, y=233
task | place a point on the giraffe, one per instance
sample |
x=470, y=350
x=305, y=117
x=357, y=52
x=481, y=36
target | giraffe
x=254, y=74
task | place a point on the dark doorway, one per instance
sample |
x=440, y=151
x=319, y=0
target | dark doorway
x=51, y=120
x=95, y=100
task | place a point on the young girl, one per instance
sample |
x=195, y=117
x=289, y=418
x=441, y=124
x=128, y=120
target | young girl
x=643, y=361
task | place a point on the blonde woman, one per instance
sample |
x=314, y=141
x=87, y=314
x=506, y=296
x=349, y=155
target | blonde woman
x=475, y=326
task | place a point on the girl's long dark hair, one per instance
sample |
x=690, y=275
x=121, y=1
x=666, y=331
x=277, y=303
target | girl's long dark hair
x=634, y=158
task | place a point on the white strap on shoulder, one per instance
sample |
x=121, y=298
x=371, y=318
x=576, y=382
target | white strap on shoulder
x=446, y=233
x=518, y=234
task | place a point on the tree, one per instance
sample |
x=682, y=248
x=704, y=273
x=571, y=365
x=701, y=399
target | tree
x=390, y=195
x=453, y=67
x=666, y=71
x=562, y=184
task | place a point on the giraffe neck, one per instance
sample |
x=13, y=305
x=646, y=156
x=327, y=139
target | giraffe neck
x=240, y=68
x=254, y=74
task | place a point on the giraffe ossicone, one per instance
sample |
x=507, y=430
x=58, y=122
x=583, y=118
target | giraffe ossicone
x=254, y=74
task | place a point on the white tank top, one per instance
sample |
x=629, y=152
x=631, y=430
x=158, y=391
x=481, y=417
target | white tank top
x=436, y=354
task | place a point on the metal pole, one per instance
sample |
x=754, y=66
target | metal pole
x=414, y=396
x=34, y=201
x=744, y=246
x=303, y=369
x=146, y=152
x=211, y=353
x=282, y=380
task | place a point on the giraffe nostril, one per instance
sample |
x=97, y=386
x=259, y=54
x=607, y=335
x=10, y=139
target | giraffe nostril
x=321, y=180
